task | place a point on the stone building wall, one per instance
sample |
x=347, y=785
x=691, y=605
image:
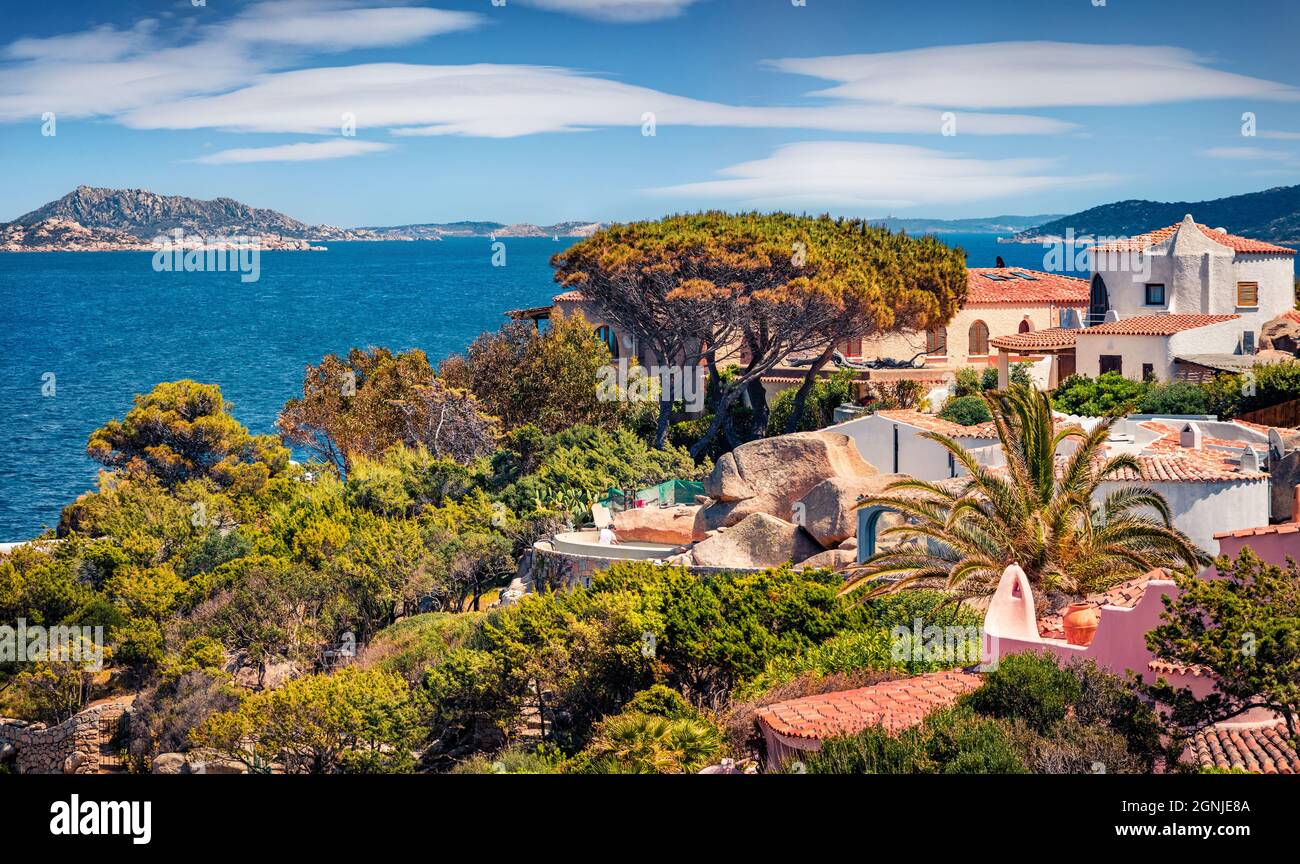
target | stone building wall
x=72, y=747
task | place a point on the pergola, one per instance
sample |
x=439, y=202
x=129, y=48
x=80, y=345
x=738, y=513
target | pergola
x=1053, y=342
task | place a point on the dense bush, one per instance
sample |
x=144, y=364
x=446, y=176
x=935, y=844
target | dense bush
x=966, y=411
x=1028, y=687
x=1106, y=395
x=1175, y=397
x=950, y=741
x=1262, y=387
x=825, y=395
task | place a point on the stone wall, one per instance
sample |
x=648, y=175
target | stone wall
x=72, y=747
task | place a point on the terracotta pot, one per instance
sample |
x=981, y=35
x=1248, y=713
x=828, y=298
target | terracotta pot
x=1081, y=621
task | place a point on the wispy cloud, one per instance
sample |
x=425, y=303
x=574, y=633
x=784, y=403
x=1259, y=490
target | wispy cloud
x=303, y=151
x=999, y=75
x=881, y=176
x=621, y=11
x=501, y=101
x=1249, y=154
x=1280, y=135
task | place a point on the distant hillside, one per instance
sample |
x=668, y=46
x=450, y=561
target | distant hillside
x=433, y=230
x=1272, y=215
x=145, y=215
x=95, y=219
x=982, y=225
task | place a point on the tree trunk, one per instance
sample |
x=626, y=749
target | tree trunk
x=758, y=401
x=719, y=415
x=661, y=428
x=809, y=378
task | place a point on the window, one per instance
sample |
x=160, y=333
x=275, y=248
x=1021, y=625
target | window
x=1155, y=294
x=978, y=339
x=1248, y=294
x=1025, y=326
x=936, y=341
x=1148, y=372
x=605, y=334
x=1248, y=342
x=1110, y=363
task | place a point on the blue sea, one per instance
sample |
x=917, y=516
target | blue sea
x=107, y=326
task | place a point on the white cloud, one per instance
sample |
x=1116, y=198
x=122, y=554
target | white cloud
x=303, y=151
x=1248, y=154
x=498, y=101
x=1280, y=135
x=999, y=75
x=622, y=11
x=338, y=25
x=105, y=72
x=879, y=176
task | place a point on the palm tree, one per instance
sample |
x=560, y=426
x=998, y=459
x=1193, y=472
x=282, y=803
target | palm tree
x=1037, y=511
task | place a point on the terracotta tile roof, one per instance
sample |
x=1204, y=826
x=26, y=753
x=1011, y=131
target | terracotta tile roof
x=1263, y=531
x=1052, y=337
x=1169, y=667
x=575, y=295
x=1190, y=466
x=1155, y=325
x=1261, y=750
x=931, y=423
x=1018, y=285
x=1233, y=241
x=893, y=705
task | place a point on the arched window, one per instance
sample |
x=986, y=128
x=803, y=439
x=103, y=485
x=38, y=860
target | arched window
x=1098, y=301
x=936, y=341
x=605, y=334
x=1025, y=326
x=978, y=342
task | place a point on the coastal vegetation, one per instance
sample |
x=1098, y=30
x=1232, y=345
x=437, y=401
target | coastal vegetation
x=1228, y=395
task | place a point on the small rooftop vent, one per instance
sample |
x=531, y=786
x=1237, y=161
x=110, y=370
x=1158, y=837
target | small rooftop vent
x=1112, y=316
x=1190, y=437
x=1069, y=319
x=1249, y=460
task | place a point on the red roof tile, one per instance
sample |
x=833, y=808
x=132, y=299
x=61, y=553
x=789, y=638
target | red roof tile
x=1285, y=528
x=1156, y=325
x=1233, y=241
x=1018, y=285
x=1052, y=337
x=893, y=705
x=575, y=295
x=1261, y=750
x=1189, y=466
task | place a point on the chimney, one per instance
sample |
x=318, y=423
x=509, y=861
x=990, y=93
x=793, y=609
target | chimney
x=1249, y=460
x=1190, y=437
x=1295, y=506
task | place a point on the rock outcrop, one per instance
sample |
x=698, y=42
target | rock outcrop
x=770, y=475
x=759, y=540
x=828, y=512
x=657, y=524
x=831, y=559
x=1281, y=334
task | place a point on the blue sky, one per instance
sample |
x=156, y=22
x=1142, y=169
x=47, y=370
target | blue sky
x=533, y=111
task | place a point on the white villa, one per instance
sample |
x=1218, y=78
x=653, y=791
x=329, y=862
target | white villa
x=1182, y=302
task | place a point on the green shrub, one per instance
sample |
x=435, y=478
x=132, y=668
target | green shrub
x=634, y=743
x=949, y=741
x=661, y=701
x=1268, y=385
x=1176, y=397
x=825, y=395
x=1028, y=687
x=1103, y=396
x=966, y=411
x=540, y=759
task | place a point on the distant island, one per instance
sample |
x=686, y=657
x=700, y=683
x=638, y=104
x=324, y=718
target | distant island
x=977, y=225
x=1272, y=215
x=91, y=219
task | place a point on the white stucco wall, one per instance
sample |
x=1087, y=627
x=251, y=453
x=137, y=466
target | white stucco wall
x=1159, y=351
x=1201, y=510
x=920, y=457
x=1200, y=277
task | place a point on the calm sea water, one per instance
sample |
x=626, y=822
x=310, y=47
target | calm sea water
x=108, y=327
